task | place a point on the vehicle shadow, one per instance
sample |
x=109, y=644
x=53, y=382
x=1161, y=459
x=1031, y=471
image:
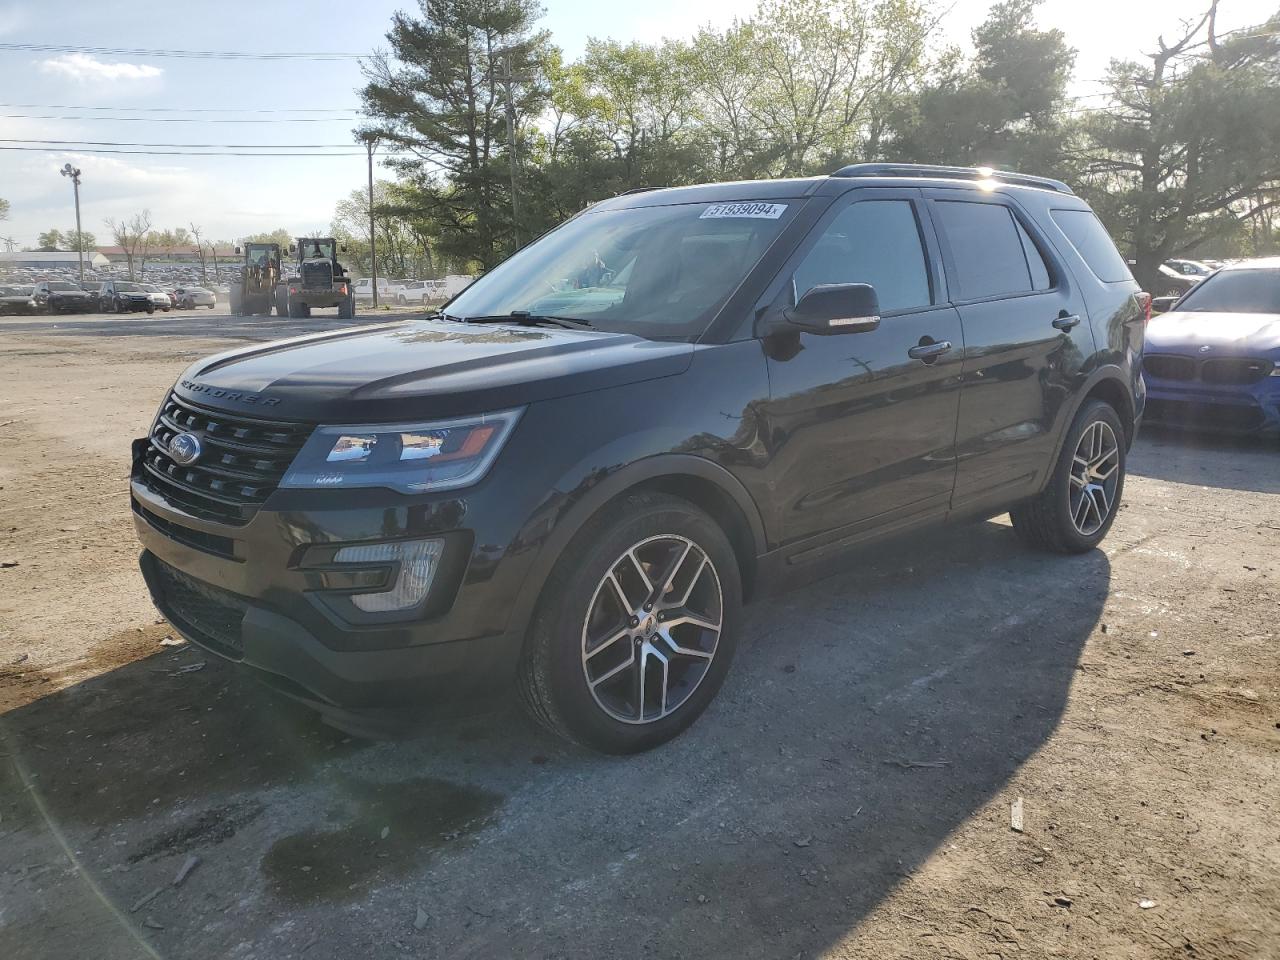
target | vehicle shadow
x=867, y=716
x=1232, y=462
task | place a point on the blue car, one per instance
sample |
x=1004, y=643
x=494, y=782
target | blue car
x=1213, y=361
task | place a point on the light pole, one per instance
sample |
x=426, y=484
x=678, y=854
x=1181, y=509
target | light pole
x=74, y=173
x=370, y=141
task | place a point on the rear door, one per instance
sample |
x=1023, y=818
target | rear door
x=1026, y=337
x=863, y=424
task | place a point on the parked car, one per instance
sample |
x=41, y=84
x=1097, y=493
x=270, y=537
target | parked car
x=1213, y=361
x=124, y=296
x=18, y=299
x=742, y=380
x=363, y=290
x=61, y=296
x=1172, y=283
x=1190, y=268
x=159, y=297
x=191, y=297
x=414, y=291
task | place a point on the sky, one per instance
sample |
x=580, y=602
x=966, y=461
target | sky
x=231, y=197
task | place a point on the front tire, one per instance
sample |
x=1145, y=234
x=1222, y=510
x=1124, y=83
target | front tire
x=637, y=626
x=1077, y=508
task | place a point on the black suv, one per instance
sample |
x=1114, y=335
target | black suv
x=61, y=296
x=577, y=473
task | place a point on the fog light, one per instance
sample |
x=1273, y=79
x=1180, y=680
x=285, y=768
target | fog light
x=418, y=559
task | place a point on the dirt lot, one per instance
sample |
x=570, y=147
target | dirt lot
x=848, y=795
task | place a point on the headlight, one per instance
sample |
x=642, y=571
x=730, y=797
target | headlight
x=410, y=458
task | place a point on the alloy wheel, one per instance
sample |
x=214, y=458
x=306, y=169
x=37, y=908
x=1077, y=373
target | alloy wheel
x=1095, y=474
x=652, y=629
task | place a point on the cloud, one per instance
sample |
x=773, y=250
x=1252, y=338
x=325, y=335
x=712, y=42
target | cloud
x=12, y=18
x=85, y=68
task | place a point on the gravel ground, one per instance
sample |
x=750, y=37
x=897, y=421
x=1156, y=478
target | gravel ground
x=848, y=795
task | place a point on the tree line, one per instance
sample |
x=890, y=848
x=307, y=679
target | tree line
x=1179, y=151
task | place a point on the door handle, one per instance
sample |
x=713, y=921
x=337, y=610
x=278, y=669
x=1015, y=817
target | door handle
x=929, y=352
x=1066, y=320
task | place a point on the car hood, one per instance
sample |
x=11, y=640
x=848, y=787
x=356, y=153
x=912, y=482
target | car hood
x=1225, y=334
x=423, y=369
x=71, y=294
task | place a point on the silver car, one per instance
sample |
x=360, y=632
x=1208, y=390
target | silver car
x=191, y=297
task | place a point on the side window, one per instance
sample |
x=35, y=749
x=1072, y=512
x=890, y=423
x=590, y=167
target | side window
x=1035, y=260
x=988, y=252
x=1089, y=237
x=875, y=242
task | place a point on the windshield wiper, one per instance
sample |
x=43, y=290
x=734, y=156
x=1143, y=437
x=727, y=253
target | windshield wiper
x=527, y=319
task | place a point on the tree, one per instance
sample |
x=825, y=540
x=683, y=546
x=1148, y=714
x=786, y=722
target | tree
x=1005, y=107
x=279, y=235
x=197, y=234
x=1188, y=148
x=131, y=236
x=49, y=241
x=84, y=240
x=4, y=209
x=439, y=96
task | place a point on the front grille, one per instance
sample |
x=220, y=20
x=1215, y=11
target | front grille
x=212, y=615
x=1230, y=416
x=317, y=273
x=1235, y=370
x=244, y=460
x=208, y=542
x=1167, y=367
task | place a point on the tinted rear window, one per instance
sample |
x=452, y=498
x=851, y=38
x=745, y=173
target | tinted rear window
x=1093, y=243
x=987, y=249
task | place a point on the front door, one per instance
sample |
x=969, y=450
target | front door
x=862, y=425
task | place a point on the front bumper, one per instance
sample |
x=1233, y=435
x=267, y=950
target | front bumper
x=246, y=593
x=1245, y=410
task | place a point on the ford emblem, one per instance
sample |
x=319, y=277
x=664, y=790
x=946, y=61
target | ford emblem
x=185, y=448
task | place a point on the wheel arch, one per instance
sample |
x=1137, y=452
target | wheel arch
x=702, y=482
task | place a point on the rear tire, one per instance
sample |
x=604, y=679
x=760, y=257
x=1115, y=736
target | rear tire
x=346, y=310
x=1080, y=503
x=623, y=680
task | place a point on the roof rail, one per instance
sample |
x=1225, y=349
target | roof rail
x=952, y=173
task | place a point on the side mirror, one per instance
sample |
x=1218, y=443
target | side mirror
x=238, y=251
x=1163, y=304
x=343, y=248
x=831, y=308
x=291, y=248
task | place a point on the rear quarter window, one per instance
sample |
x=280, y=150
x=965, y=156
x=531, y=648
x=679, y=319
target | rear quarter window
x=1090, y=238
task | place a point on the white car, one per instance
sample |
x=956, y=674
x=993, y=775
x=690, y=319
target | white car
x=161, y=299
x=191, y=297
x=363, y=289
x=415, y=291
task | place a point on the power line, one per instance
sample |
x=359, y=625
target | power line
x=201, y=146
x=36, y=116
x=178, y=153
x=73, y=106
x=197, y=153
x=175, y=54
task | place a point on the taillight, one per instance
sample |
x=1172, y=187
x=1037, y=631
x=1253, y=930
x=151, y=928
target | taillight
x=1144, y=301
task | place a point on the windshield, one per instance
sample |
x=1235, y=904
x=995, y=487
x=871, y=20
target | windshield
x=657, y=272
x=317, y=248
x=1235, y=291
x=62, y=285
x=128, y=287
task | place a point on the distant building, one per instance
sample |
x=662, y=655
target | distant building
x=183, y=254
x=59, y=260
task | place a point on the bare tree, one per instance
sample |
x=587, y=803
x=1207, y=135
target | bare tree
x=130, y=236
x=197, y=233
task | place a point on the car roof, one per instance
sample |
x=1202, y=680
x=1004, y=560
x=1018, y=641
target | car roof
x=846, y=178
x=1262, y=263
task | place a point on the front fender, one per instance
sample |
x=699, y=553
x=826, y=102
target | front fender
x=575, y=509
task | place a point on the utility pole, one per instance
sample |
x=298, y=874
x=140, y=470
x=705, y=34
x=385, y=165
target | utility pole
x=507, y=79
x=74, y=173
x=370, y=141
